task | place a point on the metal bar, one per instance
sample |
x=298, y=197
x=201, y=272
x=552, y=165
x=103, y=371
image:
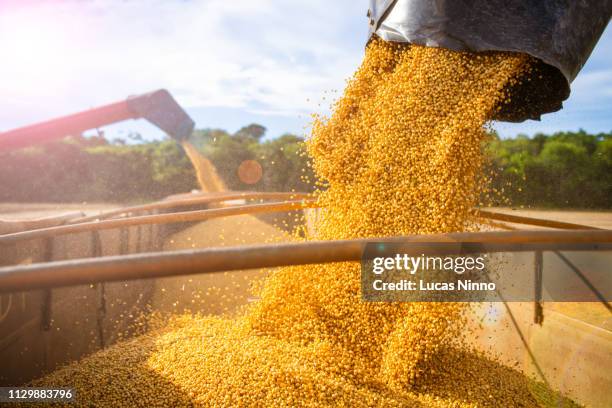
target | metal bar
x=538, y=317
x=207, y=199
x=166, y=204
x=47, y=296
x=96, y=251
x=202, y=215
x=256, y=209
x=186, y=216
x=11, y=226
x=532, y=221
x=138, y=239
x=489, y=215
x=585, y=280
x=101, y=314
x=124, y=241
x=161, y=264
x=96, y=245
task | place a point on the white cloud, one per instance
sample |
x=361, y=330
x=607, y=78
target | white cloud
x=260, y=55
x=592, y=87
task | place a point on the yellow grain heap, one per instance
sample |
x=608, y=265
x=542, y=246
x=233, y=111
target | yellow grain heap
x=400, y=154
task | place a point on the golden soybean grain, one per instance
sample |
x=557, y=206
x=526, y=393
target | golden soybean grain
x=400, y=155
x=206, y=173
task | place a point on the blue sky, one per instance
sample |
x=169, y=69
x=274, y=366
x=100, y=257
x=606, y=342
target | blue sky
x=229, y=63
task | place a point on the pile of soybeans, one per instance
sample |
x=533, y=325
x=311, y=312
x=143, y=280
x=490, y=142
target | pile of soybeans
x=401, y=154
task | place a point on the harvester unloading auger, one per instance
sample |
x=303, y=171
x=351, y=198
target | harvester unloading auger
x=157, y=107
x=560, y=34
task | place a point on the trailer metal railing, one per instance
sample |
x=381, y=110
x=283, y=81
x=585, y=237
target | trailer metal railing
x=186, y=262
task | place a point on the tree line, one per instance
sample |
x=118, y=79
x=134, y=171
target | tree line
x=562, y=170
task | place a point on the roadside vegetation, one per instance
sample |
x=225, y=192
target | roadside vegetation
x=562, y=170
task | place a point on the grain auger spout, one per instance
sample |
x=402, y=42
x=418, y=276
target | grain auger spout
x=559, y=34
x=157, y=107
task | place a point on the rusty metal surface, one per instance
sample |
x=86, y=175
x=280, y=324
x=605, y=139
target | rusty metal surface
x=96, y=223
x=517, y=219
x=197, y=200
x=12, y=226
x=176, y=217
x=155, y=265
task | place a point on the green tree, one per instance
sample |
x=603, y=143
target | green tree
x=565, y=169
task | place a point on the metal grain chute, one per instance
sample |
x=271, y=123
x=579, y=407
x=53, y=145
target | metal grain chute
x=560, y=34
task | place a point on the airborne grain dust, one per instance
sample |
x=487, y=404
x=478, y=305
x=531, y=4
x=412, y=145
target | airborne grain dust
x=206, y=173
